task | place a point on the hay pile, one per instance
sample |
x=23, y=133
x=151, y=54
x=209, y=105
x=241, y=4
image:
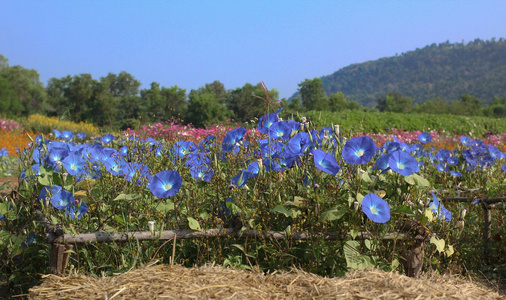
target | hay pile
x=213, y=282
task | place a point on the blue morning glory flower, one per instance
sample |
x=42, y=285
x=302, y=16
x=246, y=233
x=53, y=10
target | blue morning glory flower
x=81, y=135
x=62, y=199
x=424, y=137
x=359, y=150
x=254, y=168
x=402, y=163
x=182, y=148
x=233, y=139
x=266, y=121
x=240, y=179
x=456, y=173
x=83, y=208
x=202, y=172
x=393, y=146
x=57, y=134
x=74, y=164
x=280, y=130
x=165, y=184
x=452, y=161
x=382, y=162
x=325, y=162
x=376, y=208
x=466, y=141
x=441, y=167
x=67, y=135
x=106, y=139
x=48, y=191
x=300, y=143
x=224, y=210
x=439, y=209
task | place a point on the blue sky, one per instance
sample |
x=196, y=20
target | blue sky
x=190, y=43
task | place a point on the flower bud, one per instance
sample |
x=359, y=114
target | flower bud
x=355, y=205
x=463, y=213
x=460, y=224
x=260, y=164
x=336, y=130
x=151, y=225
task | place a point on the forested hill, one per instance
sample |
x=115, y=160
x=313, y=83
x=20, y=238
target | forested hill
x=445, y=70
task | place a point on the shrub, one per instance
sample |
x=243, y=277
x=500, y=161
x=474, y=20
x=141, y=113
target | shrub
x=46, y=125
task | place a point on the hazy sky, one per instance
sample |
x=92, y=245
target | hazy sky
x=190, y=43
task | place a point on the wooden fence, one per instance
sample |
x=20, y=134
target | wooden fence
x=62, y=242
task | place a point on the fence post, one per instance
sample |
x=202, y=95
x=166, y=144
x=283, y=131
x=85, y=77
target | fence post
x=486, y=232
x=59, y=258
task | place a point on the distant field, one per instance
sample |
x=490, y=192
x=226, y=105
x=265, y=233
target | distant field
x=384, y=122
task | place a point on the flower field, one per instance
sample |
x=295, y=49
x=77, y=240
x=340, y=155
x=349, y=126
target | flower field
x=354, y=202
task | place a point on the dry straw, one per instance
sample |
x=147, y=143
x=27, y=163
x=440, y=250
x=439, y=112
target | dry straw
x=215, y=282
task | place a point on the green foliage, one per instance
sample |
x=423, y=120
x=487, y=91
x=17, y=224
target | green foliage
x=395, y=102
x=312, y=94
x=205, y=108
x=445, y=70
x=379, y=122
x=21, y=92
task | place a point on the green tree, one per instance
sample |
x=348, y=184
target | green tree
x=174, y=103
x=312, y=94
x=73, y=97
x=4, y=62
x=123, y=84
x=10, y=107
x=162, y=103
x=395, y=102
x=338, y=102
x=25, y=89
x=436, y=106
x=204, y=108
x=103, y=107
x=471, y=105
x=496, y=109
x=246, y=103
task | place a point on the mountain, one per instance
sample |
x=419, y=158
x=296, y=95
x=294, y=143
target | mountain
x=446, y=70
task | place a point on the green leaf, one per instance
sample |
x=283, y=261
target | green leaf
x=353, y=233
x=4, y=208
x=354, y=259
x=233, y=208
x=333, y=214
x=194, y=224
x=44, y=176
x=366, y=178
x=287, y=212
x=360, y=197
x=119, y=219
x=449, y=252
x=127, y=197
x=367, y=243
x=395, y=264
x=440, y=243
x=351, y=254
x=410, y=180
x=204, y=215
x=282, y=210
x=402, y=210
x=165, y=207
x=420, y=180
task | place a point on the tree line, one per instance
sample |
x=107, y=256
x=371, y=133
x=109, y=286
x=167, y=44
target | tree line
x=116, y=101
